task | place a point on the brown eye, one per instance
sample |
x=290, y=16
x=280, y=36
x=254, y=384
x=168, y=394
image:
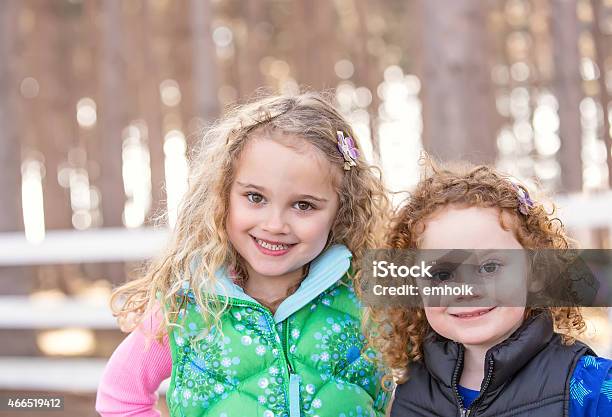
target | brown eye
x=303, y=205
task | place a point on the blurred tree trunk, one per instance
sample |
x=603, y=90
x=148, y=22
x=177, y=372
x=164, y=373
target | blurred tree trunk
x=142, y=82
x=183, y=58
x=113, y=117
x=302, y=41
x=568, y=89
x=368, y=72
x=204, y=61
x=601, y=53
x=13, y=280
x=151, y=106
x=458, y=100
x=313, y=38
x=159, y=36
x=51, y=53
x=249, y=49
x=324, y=55
x=54, y=107
x=11, y=218
x=602, y=235
x=112, y=113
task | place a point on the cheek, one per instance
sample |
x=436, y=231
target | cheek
x=315, y=227
x=514, y=295
x=513, y=316
x=511, y=290
x=435, y=317
x=236, y=219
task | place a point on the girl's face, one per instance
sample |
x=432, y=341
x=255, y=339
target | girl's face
x=483, y=319
x=282, y=206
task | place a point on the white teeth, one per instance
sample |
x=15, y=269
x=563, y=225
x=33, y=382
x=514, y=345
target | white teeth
x=480, y=313
x=270, y=246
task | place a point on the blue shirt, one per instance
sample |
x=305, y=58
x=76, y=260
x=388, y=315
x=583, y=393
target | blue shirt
x=590, y=389
x=467, y=395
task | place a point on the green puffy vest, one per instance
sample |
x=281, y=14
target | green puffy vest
x=307, y=359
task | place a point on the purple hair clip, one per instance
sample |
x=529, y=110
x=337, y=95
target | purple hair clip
x=346, y=146
x=525, y=201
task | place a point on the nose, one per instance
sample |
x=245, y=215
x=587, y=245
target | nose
x=471, y=286
x=274, y=222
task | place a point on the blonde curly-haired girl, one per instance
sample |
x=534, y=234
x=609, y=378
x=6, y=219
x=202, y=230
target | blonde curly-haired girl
x=253, y=302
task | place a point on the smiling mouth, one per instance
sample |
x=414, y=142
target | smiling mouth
x=273, y=246
x=473, y=314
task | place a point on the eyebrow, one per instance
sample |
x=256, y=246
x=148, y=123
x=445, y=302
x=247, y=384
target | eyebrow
x=488, y=252
x=312, y=197
x=301, y=196
x=257, y=187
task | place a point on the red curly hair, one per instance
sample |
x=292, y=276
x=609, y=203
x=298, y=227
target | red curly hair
x=461, y=184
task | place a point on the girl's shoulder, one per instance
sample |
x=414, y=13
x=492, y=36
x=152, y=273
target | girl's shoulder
x=591, y=387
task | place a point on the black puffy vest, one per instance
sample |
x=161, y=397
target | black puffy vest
x=526, y=375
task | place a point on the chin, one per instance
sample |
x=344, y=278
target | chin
x=477, y=340
x=271, y=272
x=488, y=337
x=273, y=269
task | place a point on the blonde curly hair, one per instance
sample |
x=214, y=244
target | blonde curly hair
x=199, y=244
x=462, y=184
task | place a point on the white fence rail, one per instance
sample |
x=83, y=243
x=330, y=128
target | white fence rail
x=22, y=312
x=76, y=246
x=79, y=375
x=585, y=210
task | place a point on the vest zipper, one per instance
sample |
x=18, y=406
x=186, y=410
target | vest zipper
x=488, y=378
x=458, y=368
x=466, y=412
x=294, y=379
x=285, y=343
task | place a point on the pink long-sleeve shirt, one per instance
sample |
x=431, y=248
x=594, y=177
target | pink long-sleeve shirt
x=133, y=374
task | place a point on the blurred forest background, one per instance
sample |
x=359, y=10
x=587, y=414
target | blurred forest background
x=100, y=103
